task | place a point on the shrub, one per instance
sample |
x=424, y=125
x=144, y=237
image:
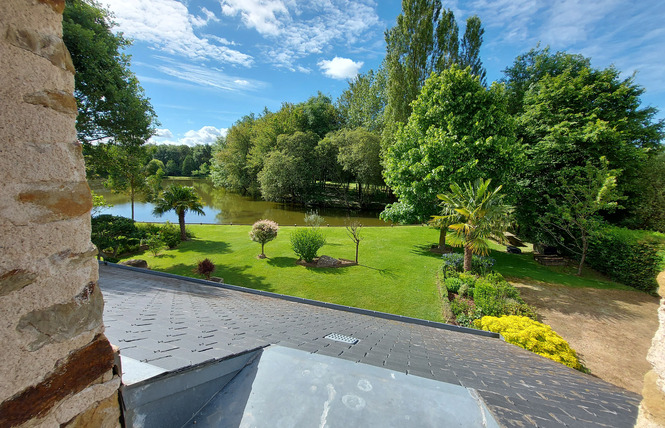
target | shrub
x=453, y=284
x=205, y=268
x=465, y=311
x=263, y=231
x=306, y=242
x=627, y=256
x=313, y=219
x=468, y=278
x=480, y=265
x=170, y=233
x=532, y=336
x=465, y=290
x=500, y=298
x=155, y=244
x=114, y=235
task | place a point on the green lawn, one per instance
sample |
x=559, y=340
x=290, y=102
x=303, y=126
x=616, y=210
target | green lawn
x=397, y=272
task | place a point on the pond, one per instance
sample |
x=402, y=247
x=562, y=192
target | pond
x=222, y=207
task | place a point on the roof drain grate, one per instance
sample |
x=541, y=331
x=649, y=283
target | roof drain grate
x=341, y=338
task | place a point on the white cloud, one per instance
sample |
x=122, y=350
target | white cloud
x=340, y=68
x=205, y=135
x=262, y=15
x=163, y=133
x=298, y=29
x=167, y=25
x=208, y=77
x=201, y=21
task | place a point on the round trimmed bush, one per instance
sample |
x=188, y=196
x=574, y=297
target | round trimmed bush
x=264, y=231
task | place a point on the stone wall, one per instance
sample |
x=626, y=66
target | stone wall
x=57, y=365
x=652, y=409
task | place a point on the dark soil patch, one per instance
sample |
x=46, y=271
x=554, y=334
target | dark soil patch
x=340, y=263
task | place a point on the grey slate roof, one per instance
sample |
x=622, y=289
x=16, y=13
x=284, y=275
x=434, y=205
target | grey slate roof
x=176, y=322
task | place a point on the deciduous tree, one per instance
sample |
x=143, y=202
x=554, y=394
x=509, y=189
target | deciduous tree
x=459, y=131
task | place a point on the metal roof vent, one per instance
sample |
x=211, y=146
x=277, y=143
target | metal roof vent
x=341, y=338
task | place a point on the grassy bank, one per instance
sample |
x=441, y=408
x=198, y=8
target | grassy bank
x=397, y=272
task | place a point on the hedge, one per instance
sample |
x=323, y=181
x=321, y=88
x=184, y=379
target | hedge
x=632, y=257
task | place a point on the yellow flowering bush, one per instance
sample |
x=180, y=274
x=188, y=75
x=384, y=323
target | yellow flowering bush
x=532, y=336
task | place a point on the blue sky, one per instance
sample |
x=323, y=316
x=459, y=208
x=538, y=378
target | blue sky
x=206, y=63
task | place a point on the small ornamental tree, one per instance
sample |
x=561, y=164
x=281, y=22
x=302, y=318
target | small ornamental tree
x=263, y=231
x=353, y=230
x=205, y=268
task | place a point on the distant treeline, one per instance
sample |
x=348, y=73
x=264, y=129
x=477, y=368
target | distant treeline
x=301, y=154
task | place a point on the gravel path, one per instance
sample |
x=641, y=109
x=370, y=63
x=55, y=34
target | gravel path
x=610, y=329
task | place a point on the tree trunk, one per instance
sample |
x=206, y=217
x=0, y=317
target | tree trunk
x=131, y=196
x=262, y=252
x=585, y=247
x=357, y=245
x=442, y=238
x=181, y=220
x=468, y=256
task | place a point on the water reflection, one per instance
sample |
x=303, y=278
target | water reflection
x=222, y=207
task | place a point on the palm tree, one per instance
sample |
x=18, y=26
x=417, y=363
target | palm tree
x=179, y=199
x=475, y=213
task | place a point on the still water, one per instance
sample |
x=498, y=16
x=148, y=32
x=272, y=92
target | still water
x=222, y=207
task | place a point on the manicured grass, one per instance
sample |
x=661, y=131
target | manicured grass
x=397, y=272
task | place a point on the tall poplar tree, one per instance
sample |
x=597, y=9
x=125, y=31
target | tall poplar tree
x=470, y=53
x=424, y=40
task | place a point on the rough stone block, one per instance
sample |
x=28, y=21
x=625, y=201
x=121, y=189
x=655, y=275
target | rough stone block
x=81, y=402
x=47, y=45
x=105, y=414
x=57, y=100
x=62, y=322
x=70, y=376
x=59, y=201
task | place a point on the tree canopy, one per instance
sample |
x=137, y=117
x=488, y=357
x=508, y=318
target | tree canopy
x=112, y=106
x=568, y=115
x=459, y=131
x=425, y=40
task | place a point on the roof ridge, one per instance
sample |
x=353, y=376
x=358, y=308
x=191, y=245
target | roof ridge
x=361, y=311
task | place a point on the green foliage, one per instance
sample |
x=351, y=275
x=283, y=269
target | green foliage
x=497, y=297
x=533, y=336
x=313, y=219
x=98, y=203
x=306, y=242
x=170, y=233
x=570, y=114
x=453, y=284
x=155, y=244
x=424, y=40
x=449, y=139
x=114, y=235
x=574, y=217
x=289, y=172
x=465, y=311
x=111, y=103
x=480, y=265
x=264, y=231
x=632, y=257
x=362, y=104
x=179, y=199
x=649, y=212
x=358, y=155
x=476, y=213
